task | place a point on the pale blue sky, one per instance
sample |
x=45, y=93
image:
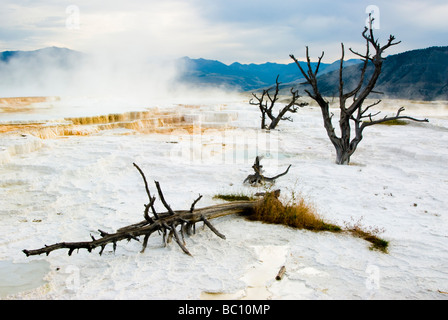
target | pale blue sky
x=226, y=30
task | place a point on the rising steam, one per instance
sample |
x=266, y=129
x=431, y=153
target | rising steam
x=131, y=77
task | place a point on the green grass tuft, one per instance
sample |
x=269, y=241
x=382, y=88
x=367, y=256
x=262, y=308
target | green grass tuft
x=234, y=197
x=379, y=244
x=395, y=122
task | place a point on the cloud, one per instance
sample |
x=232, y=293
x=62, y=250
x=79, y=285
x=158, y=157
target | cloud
x=228, y=30
x=130, y=45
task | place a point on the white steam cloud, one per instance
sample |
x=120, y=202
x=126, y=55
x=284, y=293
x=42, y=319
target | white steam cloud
x=130, y=53
x=130, y=78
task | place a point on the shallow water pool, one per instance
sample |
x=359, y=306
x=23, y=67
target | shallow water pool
x=18, y=277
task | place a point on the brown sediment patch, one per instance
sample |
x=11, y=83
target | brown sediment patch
x=149, y=121
x=22, y=104
x=189, y=106
x=44, y=131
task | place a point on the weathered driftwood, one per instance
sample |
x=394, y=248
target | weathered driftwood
x=167, y=223
x=258, y=178
x=281, y=273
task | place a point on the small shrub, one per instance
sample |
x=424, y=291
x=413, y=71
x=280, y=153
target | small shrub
x=369, y=234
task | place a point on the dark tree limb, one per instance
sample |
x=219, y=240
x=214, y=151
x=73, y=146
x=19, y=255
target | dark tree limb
x=181, y=244
x=262, y=105
x=162, y=198
x=163, y=222
x=387, y=118
x=208, y=224
x=194, y=203
x=151, y=199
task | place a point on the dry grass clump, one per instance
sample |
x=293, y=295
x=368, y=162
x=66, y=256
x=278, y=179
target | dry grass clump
x=296, y=213
x=369, y=234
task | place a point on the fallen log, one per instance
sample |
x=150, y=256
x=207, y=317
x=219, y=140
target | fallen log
x=166, y=222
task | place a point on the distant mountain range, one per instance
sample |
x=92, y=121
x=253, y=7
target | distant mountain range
x=53, y=56
x=245, y=77
x=37, y=73
x=418, y=74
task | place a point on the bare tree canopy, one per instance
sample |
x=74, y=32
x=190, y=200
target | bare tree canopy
x=267, y=102
x=354, y=112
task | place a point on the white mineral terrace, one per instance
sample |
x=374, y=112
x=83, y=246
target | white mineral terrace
x=66, y=171
x=24, y=134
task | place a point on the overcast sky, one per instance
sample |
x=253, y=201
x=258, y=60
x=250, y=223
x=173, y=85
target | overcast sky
x=227, y=30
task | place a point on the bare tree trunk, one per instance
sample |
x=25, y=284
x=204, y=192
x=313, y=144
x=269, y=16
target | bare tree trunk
x=342, y=156
x=356, y=113
x=263, y=120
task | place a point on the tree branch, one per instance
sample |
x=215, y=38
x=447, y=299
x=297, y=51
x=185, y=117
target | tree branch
x=194, y=203
x=162, y=198
x=151, y=199
x=396, y=117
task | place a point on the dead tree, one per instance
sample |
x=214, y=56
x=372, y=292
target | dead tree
x=170, y=223
x=258, y=178
x=267, y=102
x=355, y=112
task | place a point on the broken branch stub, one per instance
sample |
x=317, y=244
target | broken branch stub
x=164, y=221
x=258, y=178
